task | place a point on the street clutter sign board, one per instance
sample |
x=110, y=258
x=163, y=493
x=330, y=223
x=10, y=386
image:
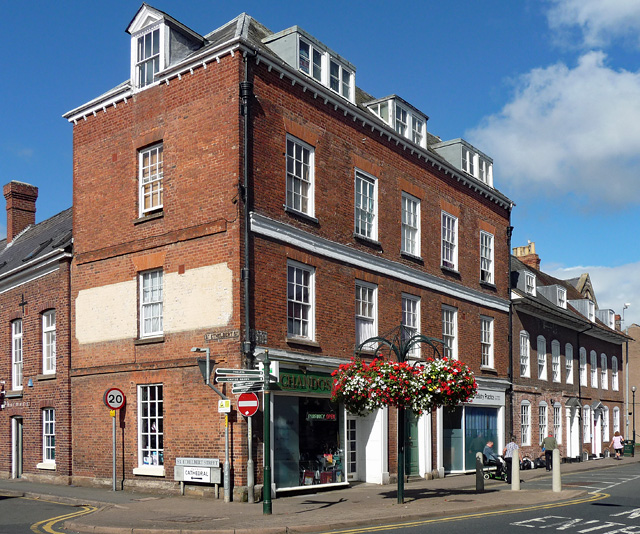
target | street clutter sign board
x=114, y=398
x=203, y=470
x=248, y=404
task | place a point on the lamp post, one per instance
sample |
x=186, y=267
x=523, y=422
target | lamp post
x=626, y=371
x=633, y=391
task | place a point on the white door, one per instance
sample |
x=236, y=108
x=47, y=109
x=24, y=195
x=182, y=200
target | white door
x=352, y=448
x=16, y=447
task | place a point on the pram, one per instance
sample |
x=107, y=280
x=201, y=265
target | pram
x=494, y=469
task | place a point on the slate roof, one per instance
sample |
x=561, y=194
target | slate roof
x=37, y=242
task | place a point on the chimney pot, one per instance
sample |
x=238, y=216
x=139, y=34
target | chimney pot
x=21, y=207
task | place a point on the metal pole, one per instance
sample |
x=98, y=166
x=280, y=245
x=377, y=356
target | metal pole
x=266, y=409
x=633, y=389
x=227, y=467
x=401, y=424
x=113, y=418
x=250, y=481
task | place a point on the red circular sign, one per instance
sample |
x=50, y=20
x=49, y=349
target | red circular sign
x=114, y=398
x=248, y=404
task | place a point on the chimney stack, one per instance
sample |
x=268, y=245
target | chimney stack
x=527, y=255
x=21, y=207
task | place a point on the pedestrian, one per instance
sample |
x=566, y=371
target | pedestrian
x=510, y=452
x=548, y=445
x=618, y=445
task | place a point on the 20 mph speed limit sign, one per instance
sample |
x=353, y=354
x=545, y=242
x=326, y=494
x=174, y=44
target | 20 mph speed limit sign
x=114, y=398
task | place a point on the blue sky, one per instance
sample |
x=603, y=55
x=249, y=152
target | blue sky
x=550, y=89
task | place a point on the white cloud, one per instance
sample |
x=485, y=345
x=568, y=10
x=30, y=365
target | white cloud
x=613, y=287
x=599, y=21
x=569, y=129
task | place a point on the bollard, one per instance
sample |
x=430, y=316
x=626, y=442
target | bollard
x=515, y=473
x=479, y=473
x=556, y=480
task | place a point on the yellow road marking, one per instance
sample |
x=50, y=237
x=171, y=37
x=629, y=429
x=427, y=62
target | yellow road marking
x=47, y=525
x=592, y=498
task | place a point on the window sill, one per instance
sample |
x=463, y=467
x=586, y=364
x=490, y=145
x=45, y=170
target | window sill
x=48, y=376
x=14, y=394
x=451, y=270
x=149, y=340
x=302, y=341
x=408, y=256
x=488, y=285
x=300, y=215
x=486, y=369
x=151, y=216
x=367, y=240
x=150, y=470
x=51, y=466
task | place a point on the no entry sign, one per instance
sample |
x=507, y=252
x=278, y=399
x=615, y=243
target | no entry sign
x=248, y=404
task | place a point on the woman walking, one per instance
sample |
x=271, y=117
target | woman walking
x=618, y=445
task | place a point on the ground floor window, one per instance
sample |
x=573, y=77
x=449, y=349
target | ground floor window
x=150, y=426
x=466, y=431
x=308, y=441
x=48, y=435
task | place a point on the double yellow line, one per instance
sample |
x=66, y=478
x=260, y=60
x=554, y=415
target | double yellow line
x=591, y=498
x=48, y=525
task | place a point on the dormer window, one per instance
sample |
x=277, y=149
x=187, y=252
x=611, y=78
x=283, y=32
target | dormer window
x=466, y=158
x=530, y=284
x=339, y=79
x=403, y=118
x=591, y=307
x=147, y=58
x=310, y=60
x=562, y=298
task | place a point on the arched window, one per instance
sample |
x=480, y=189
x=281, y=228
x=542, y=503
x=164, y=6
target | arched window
x=542, y=358
x=525, y=345
x=586, y=424
x=557, y=422
x=594, y=368
x=583, y=366
x=605, y=424
x=568, y=358
x=604, y=372
x=555, y=360
x=525, y=423
x=616, y=420
x=614, y=373
x=542, y=421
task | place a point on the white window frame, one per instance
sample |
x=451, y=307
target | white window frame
x=300, y=171
x=411, y=320
x=151, y=178
x=555, y=361
x=614, y=374
x=366, y=312
x=543, y=422
x=525, y=354
x=449, y=236
x=315, y=53
x=49, y=342
x=557, y=422
x=530, y=283
x=402, y=120
x=586, y=424
x=450, y=331
x=156, y=59
x=568, y=356
x=151, y=303
x=591, y=311
x=300, y=301
x=48, y=436
x=486, y=342
x=525, y=423
x=344, y=79
x=593, y=359
x=605, y=424
x=562, y=297
x=16, y=355
x=366, y=205
x=486, y=257
x=410, y=239
x=604, y=372
x=541, y=346
x=417, y=130
x=468, y=161
x=583, y=366
x=616, y=420
x=150, y=436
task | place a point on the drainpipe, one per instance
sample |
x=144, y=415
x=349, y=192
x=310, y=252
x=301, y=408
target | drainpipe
x=580, y=422
x=510, y=338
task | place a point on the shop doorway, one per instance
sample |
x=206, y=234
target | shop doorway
x=412, y=449
x=352, y=448
x=16, y=447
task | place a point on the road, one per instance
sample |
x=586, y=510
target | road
x=611, y=506
x=21, y=515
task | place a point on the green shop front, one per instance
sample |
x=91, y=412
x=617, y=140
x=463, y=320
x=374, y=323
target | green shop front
x=308, y=430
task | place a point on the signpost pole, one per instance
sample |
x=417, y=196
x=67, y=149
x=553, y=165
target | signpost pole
x=227, y=467
x=113, y=417
x=266, y=490
x=250, y=481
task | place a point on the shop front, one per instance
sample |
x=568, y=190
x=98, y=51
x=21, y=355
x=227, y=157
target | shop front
x=466, y=429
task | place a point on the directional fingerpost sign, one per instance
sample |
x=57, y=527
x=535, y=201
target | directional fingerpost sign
x=248, y=404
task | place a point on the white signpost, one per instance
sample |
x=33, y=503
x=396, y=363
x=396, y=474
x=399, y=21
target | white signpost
x=114, y=399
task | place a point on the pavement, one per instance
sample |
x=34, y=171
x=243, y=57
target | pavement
x=360, y=505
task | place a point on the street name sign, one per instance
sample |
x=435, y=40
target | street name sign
x=238, y=378
x=223, y=371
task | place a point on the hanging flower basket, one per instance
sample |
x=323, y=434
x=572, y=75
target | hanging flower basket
x=421, y=387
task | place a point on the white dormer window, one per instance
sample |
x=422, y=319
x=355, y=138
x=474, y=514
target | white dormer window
x=148, y=32
x=310, y=60
x=467, y=161
x=403, y=118
x=340, y=79
x=562, y=298
x=147, y=57
x=591, y=307
x=381, y=109
x=485, y=171
x=530, y=284
x=401, y=121
x=417, y=131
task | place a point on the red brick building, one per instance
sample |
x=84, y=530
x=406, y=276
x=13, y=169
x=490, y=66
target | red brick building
x=35, y=394
x=253, y=198
x=569, y=371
